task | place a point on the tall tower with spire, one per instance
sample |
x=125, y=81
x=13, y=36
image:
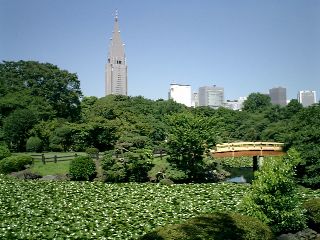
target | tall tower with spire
x=116, y=81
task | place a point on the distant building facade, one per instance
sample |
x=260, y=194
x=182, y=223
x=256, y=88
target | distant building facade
x=211, y=96
x=232, y=104
x=235, y=104
x=181, y=94
x=278, y=96
x=307, y=98
x=195, y=99
x=116, y=81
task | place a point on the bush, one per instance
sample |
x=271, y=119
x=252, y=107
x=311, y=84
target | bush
x=4, y=152
x=313, y=213
x=55, y=147
x=133, y=167
x=14, y=163
x=274, y=198
x=92, y=152
x=166, y=182
x=34, y=144
x=82, y=168
x=216, y=226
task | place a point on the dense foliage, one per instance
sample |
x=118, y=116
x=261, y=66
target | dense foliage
x=274, y=198
x=131, y=167
x=190, y=136
x=14, y=163
x=34, y=144
x=312, y=207
x=4, y=152
x=82, y=168
x=216, y=226
x=42, y=101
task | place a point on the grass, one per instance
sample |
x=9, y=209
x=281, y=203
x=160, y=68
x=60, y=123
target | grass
x=50, y=168
x=62, y=167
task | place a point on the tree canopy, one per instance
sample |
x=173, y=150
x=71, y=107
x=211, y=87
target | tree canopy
x=40, y=101
x=52, y=86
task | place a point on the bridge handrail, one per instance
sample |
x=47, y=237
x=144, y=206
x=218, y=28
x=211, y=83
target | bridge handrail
x=247, y=146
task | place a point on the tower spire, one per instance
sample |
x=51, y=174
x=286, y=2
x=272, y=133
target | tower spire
x=116, y=67
x=116, y=16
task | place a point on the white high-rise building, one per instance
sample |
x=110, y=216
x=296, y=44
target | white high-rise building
x=195, y=100
x=116, y=81
x=181, y=94
x=307, y=98
x=211, y=96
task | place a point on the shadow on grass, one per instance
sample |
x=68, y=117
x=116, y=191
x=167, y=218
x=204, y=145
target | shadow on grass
x=219, y=226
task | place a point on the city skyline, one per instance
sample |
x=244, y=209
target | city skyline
x=243, y=46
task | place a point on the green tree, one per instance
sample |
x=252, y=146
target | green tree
x=257, y=102
x=132, y=166
x=303, y=133
x=16, y=128
x=98, y=132
x=274, y=197
x=63, y=136
x=34, y=144
x=4, y=152
x=189, y=137
x=293, y=108
x=59, y=88
x=45, y=131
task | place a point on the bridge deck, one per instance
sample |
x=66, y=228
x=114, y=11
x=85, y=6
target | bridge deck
x=239, y=149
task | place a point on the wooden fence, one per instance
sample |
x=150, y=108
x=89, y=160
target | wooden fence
x=55, y=158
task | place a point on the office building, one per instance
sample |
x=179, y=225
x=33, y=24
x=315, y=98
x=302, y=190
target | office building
x=181, y=94
x=307, y=98
x=195, y=100
x=116, y=81
x=211, y=96
x=278, y=96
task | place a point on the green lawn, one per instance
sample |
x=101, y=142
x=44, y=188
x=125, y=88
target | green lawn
x=62, y=167
x=50, y=168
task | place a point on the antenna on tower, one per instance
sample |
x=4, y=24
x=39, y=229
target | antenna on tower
x=116, y=15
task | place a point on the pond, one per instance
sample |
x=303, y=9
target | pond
x=240, y=175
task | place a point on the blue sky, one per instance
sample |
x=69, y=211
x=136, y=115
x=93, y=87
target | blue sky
x=242, y=45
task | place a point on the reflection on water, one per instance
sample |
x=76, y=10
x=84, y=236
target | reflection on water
x=240, y=175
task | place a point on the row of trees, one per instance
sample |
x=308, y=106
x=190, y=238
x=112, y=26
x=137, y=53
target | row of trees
x=42, y=108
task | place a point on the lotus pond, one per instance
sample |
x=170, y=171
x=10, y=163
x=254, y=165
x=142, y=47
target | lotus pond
x=95, y=210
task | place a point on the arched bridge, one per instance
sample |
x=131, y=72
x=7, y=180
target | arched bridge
x=257, y=150
x=240, y=149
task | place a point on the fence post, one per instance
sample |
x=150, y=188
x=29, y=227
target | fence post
x=55, y=158
x=43, y=158
x=75, y=155
x=97, y=155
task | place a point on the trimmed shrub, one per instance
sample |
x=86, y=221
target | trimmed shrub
x=92, y=152
x=82, y=168
x=14, y=163
x=313, y=213
x=56, y=147
x=216, y=226
x=4, y=152
x=34, y=144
